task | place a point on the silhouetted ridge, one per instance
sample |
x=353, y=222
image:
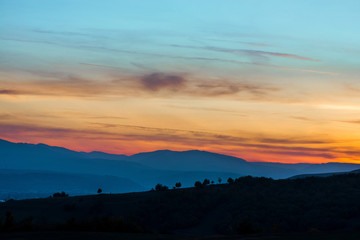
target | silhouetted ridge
x=246, y=205
x=148, y=169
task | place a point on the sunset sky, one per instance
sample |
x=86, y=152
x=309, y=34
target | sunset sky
x=262, y=80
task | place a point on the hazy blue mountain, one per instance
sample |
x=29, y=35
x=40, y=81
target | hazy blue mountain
x=20, y=184
x=195, y=160
x=102, y=155
x=323, y=174
x=148, y=169
x=188, y=160
x=41, y=157
x=48, y=158
x=308, y=168
x=150, y=165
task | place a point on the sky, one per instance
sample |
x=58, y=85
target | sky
x=270, y=80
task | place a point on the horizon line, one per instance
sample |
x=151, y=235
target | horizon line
x=129, y=155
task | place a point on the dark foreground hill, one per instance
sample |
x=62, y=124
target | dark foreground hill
x=259, y=206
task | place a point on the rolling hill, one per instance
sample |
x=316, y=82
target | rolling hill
x=144, y=169
x=247, y=206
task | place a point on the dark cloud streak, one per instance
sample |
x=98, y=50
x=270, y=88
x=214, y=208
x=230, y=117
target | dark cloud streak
x=9, y=92
x=118, y=85
x=157, y=81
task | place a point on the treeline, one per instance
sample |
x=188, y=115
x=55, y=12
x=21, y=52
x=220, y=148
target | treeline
x=243, y=205
x=197, y=184
x=262, y=205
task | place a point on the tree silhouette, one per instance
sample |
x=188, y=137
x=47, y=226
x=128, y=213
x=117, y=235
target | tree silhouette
x=9, y=223
x=230, y=180
x=160, y=187
x=62, y=194
x=206, y=182
x=99, y=191
x=178, y=184
x=198, y=184
x=219, y=180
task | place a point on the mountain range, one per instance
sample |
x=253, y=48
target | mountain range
x=323, y=175
x=38, y=170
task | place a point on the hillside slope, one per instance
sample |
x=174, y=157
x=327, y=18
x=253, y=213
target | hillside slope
x=20, y=184
x=250, y=205
x=147, y=169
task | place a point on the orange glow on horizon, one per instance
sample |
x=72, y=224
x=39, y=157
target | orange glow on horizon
x=131, y=148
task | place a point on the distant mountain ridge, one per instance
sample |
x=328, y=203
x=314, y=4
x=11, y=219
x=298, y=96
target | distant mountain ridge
x=324, y=174
x=27, y=183
x=148, y=169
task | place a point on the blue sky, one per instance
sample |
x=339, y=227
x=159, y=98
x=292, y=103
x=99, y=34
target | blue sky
x=310, y=28
x=241, y=69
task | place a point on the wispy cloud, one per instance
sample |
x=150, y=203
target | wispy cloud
x=301, y=118
x=56, y=115
x=292, y=141
x=208, y=109
x=5, y=116
x=105, y=125
x=357, y=121
x=118, y=85
x=9, y=92
x=219, y=88
x=67, y=33
x=300, y=69
x=256, y=53
x=328, y=156
x=256, y=44
x=104, y=66
x=222, y=60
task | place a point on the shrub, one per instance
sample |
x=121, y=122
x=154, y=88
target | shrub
x=160, y=187
x=230, y=180
x=62, y=194
x=198, y=184
x=206, y=182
